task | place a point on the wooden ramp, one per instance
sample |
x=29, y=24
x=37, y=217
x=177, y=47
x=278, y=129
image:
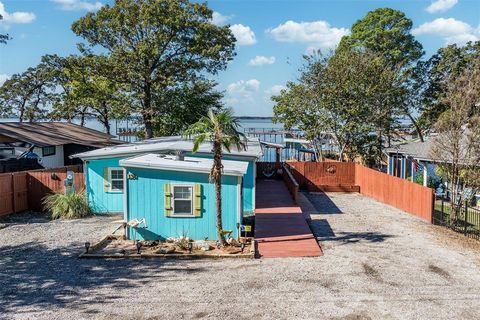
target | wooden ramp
x=280, y=228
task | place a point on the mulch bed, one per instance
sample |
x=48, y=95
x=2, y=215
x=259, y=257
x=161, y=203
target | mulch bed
x=111, y=247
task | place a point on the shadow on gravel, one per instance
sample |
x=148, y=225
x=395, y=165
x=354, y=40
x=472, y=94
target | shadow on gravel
x=34, y=275
x=322, y=203
x=324, y=232
x=25, y=218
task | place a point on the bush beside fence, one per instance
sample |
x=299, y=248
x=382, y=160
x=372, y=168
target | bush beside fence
x=21, y=191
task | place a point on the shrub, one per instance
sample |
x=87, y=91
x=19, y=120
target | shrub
x=68, y=206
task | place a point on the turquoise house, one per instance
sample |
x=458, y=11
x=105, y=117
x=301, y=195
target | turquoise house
x=175, y=198
x=109, y=190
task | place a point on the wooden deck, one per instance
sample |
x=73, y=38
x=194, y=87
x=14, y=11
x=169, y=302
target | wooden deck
x=280, y=227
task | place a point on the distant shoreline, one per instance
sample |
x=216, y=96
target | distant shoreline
x=88, y=117
x=254, y=118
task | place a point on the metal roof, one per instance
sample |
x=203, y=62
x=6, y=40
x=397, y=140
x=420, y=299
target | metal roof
x=167, y=144
x=189, y=164
x=43, y=134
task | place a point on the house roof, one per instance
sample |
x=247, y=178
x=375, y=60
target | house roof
x=189, y=164
x=167, y=144
x=42, y=134
x=415, y=149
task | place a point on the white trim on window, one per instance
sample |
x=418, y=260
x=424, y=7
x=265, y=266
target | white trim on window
x=110, y=169
x=192, y=195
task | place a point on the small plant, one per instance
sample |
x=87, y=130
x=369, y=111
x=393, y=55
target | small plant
x=182, y=242
x=68, y=206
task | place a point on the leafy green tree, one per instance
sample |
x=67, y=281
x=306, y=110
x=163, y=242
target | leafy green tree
x=154, y=45
x=221, y=129
x=348, y=95
x=184, y=105
x=85, y=89
x=436, y=73
x=27, y=95
x=385, y=31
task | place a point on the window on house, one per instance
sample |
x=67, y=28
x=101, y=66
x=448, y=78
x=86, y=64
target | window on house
x=115, y=178
x=182, y=200
x=48, y=151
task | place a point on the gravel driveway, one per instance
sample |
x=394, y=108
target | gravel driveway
x=379, y=263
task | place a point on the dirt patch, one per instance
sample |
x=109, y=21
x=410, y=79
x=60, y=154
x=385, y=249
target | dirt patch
x=200, y=315
x=434, y=269
x=450, y=237
x=371, y=272
x=357, y=316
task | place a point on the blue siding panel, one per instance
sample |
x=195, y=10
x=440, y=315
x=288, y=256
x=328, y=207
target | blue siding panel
x=99, y=200
x=146, y=200
x=102, y=202
x=248, y=179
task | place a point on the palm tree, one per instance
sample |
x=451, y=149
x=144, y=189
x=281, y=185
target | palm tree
x=220, y=128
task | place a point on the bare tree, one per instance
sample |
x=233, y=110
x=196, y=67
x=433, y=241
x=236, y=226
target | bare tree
x=457, y=145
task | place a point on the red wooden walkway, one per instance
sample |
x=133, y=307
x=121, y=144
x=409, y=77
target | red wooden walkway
x=280, y=228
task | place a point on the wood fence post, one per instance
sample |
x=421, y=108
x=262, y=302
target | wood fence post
x=466, y=218
x=13, y=193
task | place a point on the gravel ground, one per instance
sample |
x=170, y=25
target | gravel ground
x=379, y=263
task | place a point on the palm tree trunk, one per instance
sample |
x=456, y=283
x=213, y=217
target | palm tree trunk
x=217, y=175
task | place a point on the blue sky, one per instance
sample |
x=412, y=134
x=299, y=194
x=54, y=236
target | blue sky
x=272, y=36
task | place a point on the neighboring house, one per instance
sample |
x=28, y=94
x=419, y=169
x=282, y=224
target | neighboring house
x=176, y=198
x=106, y=177
x=409, y=160
x=51, y=143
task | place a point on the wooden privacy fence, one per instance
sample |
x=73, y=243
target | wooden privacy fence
x=348, y=176
x=324, y=176
x=400, y=193
x=20, y=191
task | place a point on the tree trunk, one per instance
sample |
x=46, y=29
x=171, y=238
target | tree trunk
x=147, y=109
x=217, y=175
x=105, y=118
x=147, y=122
x=417, y=127
x=22, y=111
x=82, y=119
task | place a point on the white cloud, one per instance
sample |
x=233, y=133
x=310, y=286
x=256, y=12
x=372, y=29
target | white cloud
x=244, y=35
x=275, y=90
x=261, y=60
x=241, y=92
x=73, y=5
x=317, y=34
x=440, y=6
x=219, y=19
x=451, y=30
x=3, y=78
x=15, y=17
